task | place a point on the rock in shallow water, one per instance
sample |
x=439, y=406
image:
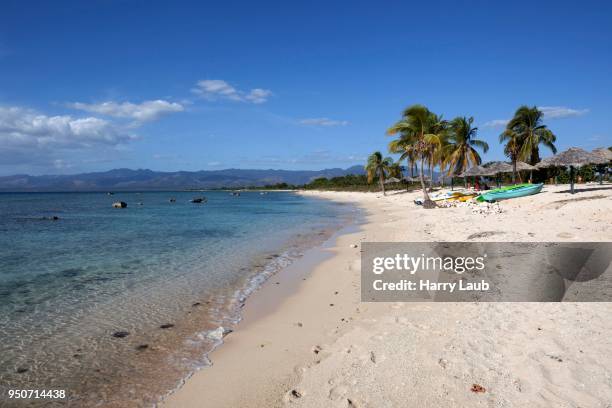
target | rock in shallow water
x=121, y=334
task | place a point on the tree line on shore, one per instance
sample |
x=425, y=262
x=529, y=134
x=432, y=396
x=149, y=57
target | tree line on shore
x=426, y=141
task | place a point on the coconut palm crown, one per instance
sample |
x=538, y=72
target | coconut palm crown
x=422, y=133
x=461, y=152
x=380, y=167
x=530, y=130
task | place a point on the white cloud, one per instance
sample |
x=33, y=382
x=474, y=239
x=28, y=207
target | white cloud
x=258, y=95
x=550, y=112
x=213, y=164
x=27, y=136
x=61, y=164
x=26, y=127
x=495, y=123
x=218, y=89
x=142, y=112
x=556, y=112
x=323, y=122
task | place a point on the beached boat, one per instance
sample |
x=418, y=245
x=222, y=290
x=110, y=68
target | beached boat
x=449, y=195
x=462, y=197
x=520, y=190
x=496, y=190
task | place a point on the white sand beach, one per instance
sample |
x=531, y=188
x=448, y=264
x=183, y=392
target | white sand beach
x=306, y=340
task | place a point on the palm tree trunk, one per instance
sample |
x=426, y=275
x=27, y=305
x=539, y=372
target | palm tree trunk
x=514, y=171
x=427, y=203
x=431, y=166
x=381, y=179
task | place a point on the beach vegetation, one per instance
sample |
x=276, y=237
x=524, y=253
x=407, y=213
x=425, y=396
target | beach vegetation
x=421, y=133
x=460, y=152
x=379, y=167
x=528, y=128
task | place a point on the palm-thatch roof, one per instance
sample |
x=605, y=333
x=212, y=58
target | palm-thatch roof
x=522, y=166
x=505, y=167
x=574, y=156
x=416, y=178
x=603, y=153
x=497, y=167
x=392, y=180
x=477, y=171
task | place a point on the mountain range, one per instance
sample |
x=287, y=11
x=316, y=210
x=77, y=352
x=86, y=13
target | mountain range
x=144, y=179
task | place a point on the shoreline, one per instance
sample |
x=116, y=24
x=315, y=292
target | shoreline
x=164, y=356
x=261, y=306
x=318, y=345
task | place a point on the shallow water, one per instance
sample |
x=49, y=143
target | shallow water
x=67, y=285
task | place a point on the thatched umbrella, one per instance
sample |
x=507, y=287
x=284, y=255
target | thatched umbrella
x=572, y=157
x=477, y=171
x=498, y=167
x=416, y=179
x=392, y=180
x=521, y=166
x=452, y=176
x=605, y=154
x=503, y=167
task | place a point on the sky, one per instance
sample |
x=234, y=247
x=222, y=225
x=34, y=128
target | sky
x=96, y=85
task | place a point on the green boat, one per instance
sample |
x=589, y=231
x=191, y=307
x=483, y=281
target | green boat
x=520, y=190
x=496, y=190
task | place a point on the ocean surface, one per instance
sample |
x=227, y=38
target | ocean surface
x=117, y=306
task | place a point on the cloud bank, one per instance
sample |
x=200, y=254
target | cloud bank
x=557, y=112
x=28, y=128
x=142, y=112
x=323, y=122
x=28, y=136
x=218, y=89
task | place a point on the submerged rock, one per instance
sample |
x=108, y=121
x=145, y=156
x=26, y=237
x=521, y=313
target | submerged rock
x=166, y=326
x=121, y=334
x=52, y=218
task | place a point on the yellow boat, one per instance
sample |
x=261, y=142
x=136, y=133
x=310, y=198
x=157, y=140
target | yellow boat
x=462, y=197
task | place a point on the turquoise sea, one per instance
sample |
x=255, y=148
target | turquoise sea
x=119, y=305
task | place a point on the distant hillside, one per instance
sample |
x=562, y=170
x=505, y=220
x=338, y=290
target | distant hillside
x=127, y=179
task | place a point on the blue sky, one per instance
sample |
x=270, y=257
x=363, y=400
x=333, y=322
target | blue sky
x=88, y=86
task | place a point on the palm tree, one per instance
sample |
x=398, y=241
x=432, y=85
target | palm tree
x=512, y=149
x=461, y=151
x=528, y=125
x=378, y=167
x=423, y=128
x=395, y=170
x=403, y=145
